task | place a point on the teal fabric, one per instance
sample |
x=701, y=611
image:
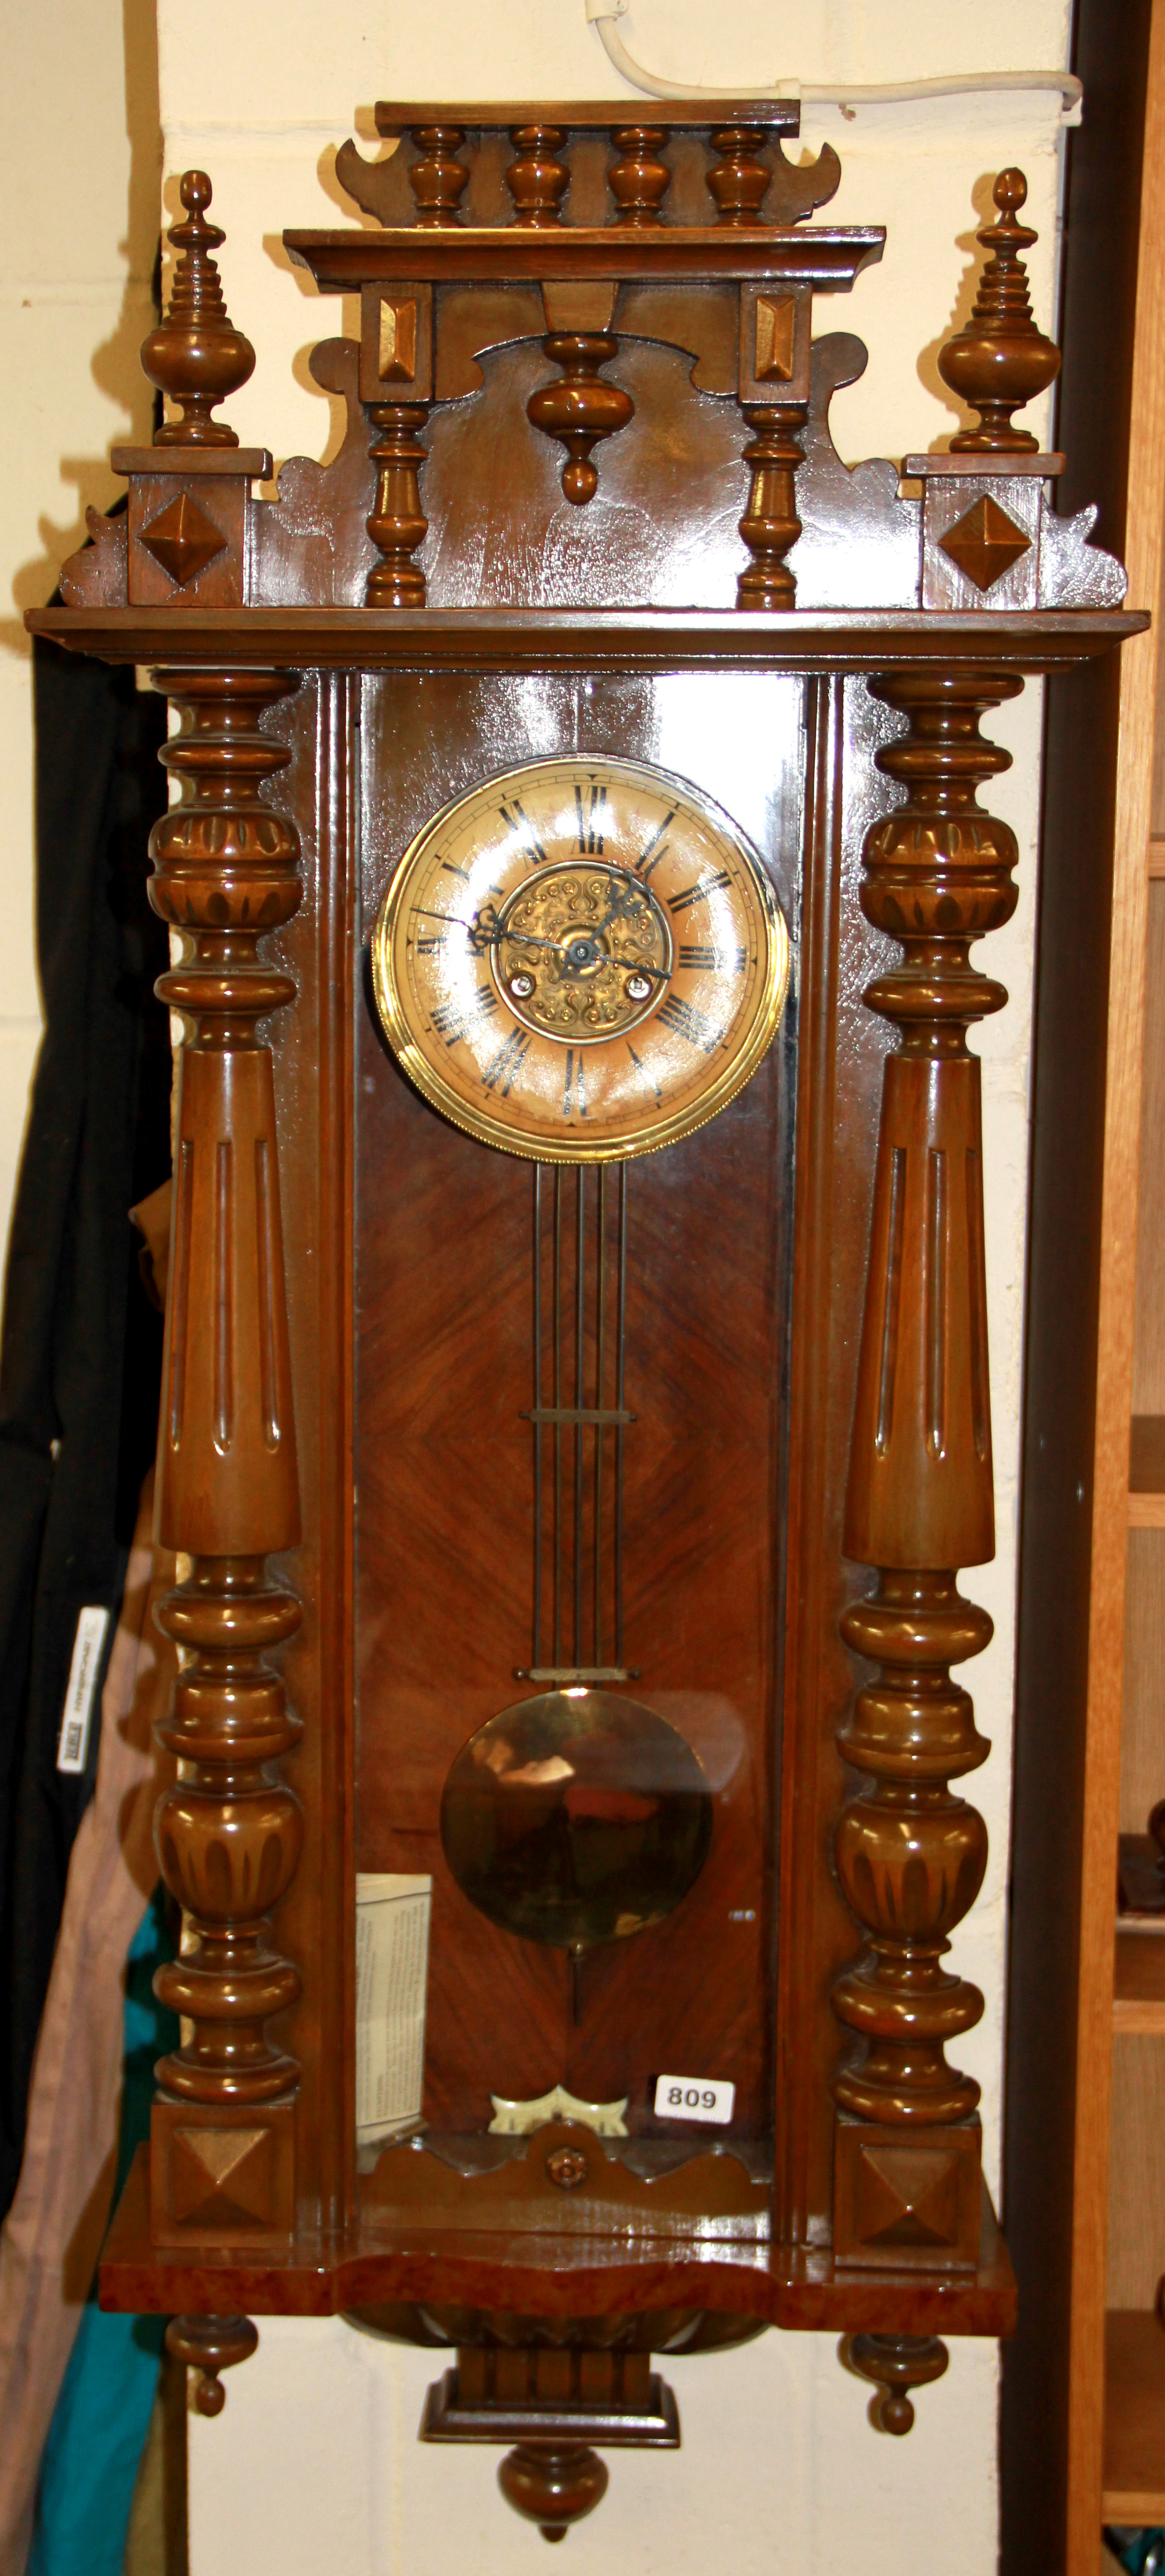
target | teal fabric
x=99, y=2426
x=1141, y=2553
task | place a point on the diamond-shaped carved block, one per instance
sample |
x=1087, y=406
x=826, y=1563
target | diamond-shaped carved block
x=907, y=2196
x=183, y=540
x=907, y=2203
x=222, y=2173
x=985, y=542
x=218, y=2178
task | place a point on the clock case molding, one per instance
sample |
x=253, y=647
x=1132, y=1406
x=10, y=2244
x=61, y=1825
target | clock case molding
x=586, y=446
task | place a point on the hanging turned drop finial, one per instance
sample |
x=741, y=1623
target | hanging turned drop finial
x=195, y=354
x=1000, y=360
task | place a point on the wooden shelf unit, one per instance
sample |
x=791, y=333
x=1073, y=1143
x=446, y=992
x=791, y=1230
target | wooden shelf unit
x=1083, y=2434
x=1147, y=1444
x=1134, y=2425
x=1138, y=1996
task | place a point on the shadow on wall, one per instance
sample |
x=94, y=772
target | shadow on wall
x=116, y=362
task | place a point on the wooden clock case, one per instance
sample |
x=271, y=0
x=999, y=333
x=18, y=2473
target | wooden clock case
x=554, y=543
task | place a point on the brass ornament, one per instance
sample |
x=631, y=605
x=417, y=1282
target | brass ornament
x=580, y=960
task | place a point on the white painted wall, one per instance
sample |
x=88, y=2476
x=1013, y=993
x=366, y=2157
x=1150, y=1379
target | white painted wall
x=314, y=2461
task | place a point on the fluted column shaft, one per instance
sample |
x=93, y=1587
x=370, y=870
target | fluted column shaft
x=910, y=1853
x=229, y=1832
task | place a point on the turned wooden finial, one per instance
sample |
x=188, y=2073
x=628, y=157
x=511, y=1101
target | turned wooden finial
x=999, y=360
x=195, y=354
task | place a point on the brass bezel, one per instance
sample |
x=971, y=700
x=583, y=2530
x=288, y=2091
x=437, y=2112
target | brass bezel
x=656, y=1132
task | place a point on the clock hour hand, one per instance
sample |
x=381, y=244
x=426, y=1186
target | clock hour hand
x=639, y=966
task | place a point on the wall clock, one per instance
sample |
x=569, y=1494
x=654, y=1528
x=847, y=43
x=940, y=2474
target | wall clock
x=570, y=1759
x=580, y=960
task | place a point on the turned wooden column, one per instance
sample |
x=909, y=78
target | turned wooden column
x=537, y=180
x=910, y=1853
x=437, y=178
x=229, y=1833
x=770, y=526
x=397, y=524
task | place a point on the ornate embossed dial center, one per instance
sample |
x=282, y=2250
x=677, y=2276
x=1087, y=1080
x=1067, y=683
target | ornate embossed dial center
x=580, y=960
x=582, y=951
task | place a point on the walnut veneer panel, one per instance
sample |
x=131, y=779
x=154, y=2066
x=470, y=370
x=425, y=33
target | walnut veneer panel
x=445, y=1470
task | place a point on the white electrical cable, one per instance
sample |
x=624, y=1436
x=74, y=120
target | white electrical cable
x=602, y=13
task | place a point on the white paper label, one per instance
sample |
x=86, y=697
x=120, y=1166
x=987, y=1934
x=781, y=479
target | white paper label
x=73, y=1740
x=392, y=1961
x=687, y=2097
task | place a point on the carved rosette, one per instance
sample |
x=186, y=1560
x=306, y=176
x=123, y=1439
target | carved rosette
x=910, y=1853
x=229, y=1833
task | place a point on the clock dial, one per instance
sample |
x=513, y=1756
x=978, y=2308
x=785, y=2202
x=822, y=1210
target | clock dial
x=580, y=960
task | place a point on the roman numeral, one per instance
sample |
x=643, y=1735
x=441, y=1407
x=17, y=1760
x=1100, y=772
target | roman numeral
x=648, y=859
x=591, y=824
x=429, y=945
x=453, y=1020
x=697, y=893
x=453, y=871
x=506, y=1062
x=576, y=1106
x=519, y=822
x=713, y=961
x=691, y=1024
x=641, y=1067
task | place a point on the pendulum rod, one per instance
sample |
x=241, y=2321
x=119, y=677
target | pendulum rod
x=600, y=1355
x=537, y=1409
x=580, y=1275
x=557, y=1385
x=620, y=1415
x=584, y=1259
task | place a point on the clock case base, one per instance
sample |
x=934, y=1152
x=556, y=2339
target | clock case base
x=514, y=2274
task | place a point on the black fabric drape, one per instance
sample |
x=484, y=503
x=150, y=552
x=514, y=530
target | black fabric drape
x=80, y=1355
